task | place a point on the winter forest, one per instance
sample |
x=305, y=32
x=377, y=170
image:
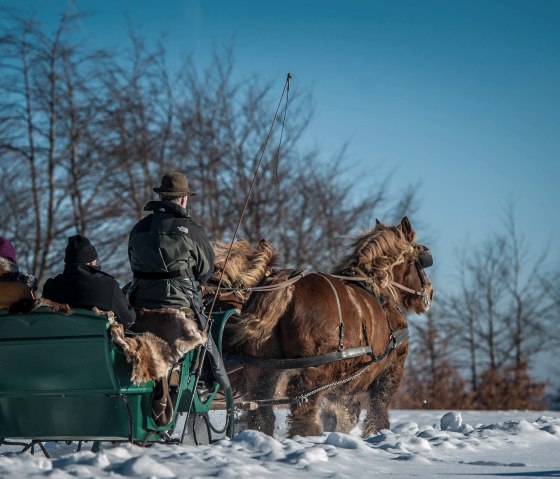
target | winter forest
x=86, y=133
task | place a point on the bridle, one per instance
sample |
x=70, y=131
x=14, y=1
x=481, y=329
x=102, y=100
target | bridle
x=424, y=260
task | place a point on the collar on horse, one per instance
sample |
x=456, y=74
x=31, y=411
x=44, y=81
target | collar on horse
x=365, y=281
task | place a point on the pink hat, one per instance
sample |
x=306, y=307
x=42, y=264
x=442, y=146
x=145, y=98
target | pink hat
x=7, y=250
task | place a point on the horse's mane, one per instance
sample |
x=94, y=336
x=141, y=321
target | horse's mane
x=375, y=252
x=247, y=264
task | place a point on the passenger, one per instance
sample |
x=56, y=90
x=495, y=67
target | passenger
x=14, y=286
x=84, y=285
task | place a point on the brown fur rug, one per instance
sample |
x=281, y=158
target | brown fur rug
x=163, y=337
x=174, y=326
x=151, y=357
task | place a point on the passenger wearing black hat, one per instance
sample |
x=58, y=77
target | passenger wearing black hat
x=84, y=285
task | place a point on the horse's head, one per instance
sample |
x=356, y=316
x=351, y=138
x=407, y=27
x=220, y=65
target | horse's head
x=409, y=282
x=394, y=262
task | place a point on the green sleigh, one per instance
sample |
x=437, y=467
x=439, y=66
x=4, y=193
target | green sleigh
x=62, y=378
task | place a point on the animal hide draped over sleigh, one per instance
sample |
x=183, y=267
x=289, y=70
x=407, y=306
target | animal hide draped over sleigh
x=172, y=333
x=150, y=356
x=174, y=326
x=163, y=337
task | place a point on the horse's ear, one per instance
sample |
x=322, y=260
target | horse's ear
x=377, y=222
x=406, y=227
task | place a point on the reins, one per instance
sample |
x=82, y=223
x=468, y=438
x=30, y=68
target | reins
x=266, y=287
x=300, y=275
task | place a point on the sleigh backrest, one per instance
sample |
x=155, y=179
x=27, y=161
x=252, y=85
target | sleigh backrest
x=45, y=353
x=62, y=378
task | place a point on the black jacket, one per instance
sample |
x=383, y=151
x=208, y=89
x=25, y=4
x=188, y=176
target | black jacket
x=170, y=257
x=83, y=286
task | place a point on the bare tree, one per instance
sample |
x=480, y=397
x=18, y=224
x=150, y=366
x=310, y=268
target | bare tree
x=431, y=380
x=499, y=318
x=32, y=87
x=85, y=134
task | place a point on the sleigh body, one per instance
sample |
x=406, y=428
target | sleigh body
x=63, y=378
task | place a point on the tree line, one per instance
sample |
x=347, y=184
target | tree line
x=85, y=133
x=477, y=347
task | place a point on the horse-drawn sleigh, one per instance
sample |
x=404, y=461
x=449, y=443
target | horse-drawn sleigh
x=70, y=377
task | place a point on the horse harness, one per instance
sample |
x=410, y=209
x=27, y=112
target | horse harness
x=396, y=338
x=363, y=279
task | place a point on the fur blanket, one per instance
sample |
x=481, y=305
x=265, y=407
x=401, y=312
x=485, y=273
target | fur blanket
x=14, y=285
x=174, y=326
x=163, y=337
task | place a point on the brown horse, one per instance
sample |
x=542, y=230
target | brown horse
x=321, y=314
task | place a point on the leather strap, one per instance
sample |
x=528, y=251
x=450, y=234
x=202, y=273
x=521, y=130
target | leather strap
x=179, y=273
x=395, y=340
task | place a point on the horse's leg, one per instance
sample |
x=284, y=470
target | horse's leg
x=330, y=411
x=380, y=393
x=340, y=412
x=304, y=419
x=261, y=384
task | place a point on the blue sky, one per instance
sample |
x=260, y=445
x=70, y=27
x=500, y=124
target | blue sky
x=461, y=96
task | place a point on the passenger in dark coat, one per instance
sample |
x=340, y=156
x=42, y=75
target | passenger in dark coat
x=171, y=258
x=84, y=285
x=170, y=255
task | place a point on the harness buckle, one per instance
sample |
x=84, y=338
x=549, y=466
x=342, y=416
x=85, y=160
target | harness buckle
x=427, y=300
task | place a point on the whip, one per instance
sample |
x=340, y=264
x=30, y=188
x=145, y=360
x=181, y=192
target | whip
x=201, y=354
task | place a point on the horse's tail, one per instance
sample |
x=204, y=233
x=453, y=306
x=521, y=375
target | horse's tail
x=257, y=323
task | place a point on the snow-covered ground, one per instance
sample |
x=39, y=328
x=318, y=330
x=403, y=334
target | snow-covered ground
x=460, y=444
